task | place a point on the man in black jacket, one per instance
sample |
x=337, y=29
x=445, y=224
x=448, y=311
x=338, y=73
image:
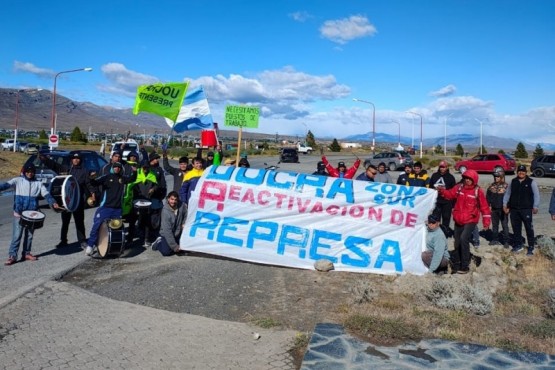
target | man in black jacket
x=113, y=185
x=444, y=207
x=81, y=175
x=521, y=201
x=177, y=173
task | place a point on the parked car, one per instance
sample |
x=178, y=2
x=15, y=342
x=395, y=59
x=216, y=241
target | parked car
x=393, y=160
x=544, y=165
x=90, y=159
x=8, y=144
x=31, y=149
x=290, y=155
x=21, y=145
x=487, y=163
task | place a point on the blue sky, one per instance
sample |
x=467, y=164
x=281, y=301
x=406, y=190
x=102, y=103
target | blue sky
x=303, y=61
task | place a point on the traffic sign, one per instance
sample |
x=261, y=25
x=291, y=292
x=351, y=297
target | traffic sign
x=53, y=140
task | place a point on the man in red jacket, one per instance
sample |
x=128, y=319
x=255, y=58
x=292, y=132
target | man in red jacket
x=470, y=201
x=341, y=170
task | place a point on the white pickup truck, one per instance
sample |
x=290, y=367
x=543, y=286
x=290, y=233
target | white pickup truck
x=302, y=148
x=8, y=144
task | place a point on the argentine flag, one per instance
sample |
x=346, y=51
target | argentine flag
x=194, y=113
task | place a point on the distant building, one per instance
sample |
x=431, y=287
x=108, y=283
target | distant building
x=350, y=145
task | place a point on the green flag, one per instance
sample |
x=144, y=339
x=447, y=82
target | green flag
x=162, y=99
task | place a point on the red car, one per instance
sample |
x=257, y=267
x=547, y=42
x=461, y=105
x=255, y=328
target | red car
x=487, y=163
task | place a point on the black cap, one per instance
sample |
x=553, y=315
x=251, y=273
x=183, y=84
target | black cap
x=521, y=168
x=29, y=168
x=76, y=156
x=432, y=219
x=184, y=160
x=117, y=164
x=341, y=164
x=153, y=156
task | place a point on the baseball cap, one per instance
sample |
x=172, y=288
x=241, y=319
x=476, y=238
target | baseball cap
x=29, y=168
x=341, y=164
x=184, y=160
x=117, y=164
x=521, y=168
x=76, y=156
x=432, y=219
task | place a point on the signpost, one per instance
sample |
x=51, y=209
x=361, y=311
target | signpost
x=53, y=141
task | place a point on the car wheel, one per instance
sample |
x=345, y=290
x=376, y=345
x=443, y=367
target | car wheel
x=462, y=169
x=539, y=172
x=392, y=167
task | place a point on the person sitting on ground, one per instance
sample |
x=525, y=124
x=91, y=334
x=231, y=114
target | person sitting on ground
x=113, y=186
x=320, y=169
x=382, y=175
x=418, y=176
x=27, y=192
x=369, y=174
x=174, y=215
x=404, y=176
x=494, y=195
x=341, y=170
x=436, y=255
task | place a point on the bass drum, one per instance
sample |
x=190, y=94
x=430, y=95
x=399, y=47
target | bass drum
x=65, y=191
x=111, y=238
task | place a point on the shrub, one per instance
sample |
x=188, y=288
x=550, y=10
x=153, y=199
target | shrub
x=546, y=246
x=445, y=294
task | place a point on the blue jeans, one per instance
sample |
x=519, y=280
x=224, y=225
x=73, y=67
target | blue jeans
x=17, y=233
x=102, y=214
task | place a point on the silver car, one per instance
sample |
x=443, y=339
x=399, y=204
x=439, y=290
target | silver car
x=393, y=160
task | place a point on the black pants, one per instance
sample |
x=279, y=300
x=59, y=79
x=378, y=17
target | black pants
x=79, y=218
x=443, y=211
x=518, y=218
x=498, y=216
x=460, y=257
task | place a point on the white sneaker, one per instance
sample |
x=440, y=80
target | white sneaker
x=156, y=242
x=89, y=250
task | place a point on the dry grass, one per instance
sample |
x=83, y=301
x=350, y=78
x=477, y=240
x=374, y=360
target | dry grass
x=11, y=163
x=518, y=321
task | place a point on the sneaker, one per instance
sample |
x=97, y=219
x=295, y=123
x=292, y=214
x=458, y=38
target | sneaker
x=10, y=261
x=88, y=250
x=29, y=257
x=83, y=245
x=463, y=271
x=147, y=245
x=494, y=242
x=62, y=244
x=517, y=249
x=530, y=251
x=156, y=242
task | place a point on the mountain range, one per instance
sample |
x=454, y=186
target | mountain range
x=34, y=112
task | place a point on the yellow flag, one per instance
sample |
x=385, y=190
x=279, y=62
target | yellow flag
x=162, y=99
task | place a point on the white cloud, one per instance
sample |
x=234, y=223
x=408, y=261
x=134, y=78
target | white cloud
x=31, y=68
x=122, y=80
x=344, y=30
x=300, y=16
x=444, y=91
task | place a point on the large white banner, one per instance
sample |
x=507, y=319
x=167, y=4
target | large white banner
x=293, y=219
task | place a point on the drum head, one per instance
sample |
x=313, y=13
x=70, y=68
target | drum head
x=65, y=190
x=103, y=240
x=33, y=215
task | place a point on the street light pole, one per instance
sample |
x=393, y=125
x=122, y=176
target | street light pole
x=53, y=126
x=421, y=145
x=481, y=130
x=373, y=121
x=398, y=124
x=445, y=135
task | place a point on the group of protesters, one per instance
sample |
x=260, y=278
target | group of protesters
x=464, y=201
x=124, y=183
